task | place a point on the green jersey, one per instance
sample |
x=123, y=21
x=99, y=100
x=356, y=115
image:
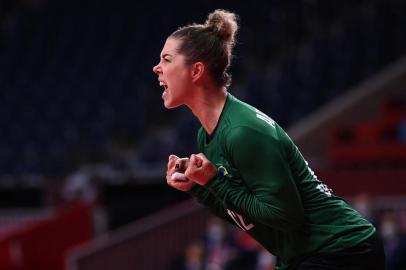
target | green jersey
x=265, y=186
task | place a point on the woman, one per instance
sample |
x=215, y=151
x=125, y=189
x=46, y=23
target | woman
x=248, y=171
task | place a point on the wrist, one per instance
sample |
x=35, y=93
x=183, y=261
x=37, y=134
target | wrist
x=216, y=183
x=194, y=189
x=212, y=174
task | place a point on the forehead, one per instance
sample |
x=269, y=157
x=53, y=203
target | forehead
x=170, y=47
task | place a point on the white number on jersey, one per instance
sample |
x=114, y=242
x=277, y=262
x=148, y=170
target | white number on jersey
x=322, y=187
x=265, y=118
x=239, y=220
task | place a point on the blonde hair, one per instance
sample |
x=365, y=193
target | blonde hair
x=224, y=23
x=211, y=43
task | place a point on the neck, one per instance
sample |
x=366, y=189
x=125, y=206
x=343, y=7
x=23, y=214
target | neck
x=207, y=106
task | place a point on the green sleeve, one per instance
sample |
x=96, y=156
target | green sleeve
x=205, y=197
x=267, y=192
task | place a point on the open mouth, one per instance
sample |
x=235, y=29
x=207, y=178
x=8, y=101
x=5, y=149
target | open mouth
x=162, y=84
x=165, y=86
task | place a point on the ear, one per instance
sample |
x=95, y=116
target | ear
x=198, y=70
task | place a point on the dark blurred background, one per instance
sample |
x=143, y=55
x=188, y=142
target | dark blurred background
x=84, y=136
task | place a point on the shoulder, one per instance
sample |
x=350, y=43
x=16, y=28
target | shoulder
x=244, y=120
x=250, y=137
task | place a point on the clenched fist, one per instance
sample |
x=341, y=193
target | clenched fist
x=200, y=170
x=175, y=176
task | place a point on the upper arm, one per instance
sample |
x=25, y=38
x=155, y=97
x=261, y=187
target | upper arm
x=262, y=162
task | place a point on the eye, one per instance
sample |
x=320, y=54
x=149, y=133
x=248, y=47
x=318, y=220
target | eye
x=167, y=60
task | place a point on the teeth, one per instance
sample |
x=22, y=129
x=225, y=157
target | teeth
x=163, y=85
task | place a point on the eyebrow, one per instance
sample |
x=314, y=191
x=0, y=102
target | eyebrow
x=166, y=54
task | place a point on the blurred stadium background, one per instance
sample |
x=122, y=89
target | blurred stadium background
x=85, y=138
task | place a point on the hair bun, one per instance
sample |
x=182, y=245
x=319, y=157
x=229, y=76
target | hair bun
x=224, y=23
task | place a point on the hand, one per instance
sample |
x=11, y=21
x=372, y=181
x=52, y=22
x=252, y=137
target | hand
x=200, y=170
x=175, y=173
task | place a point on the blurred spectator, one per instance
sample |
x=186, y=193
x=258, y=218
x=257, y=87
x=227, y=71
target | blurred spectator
x=79, y=186
x=224, y=247
x=193, y=258
x=265, y=260
x=251, y=255
x=84, y=187
x=217, y=244
x=394, y=241
x=362, y=203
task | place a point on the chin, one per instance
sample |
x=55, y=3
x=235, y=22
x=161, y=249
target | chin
x=171, y=105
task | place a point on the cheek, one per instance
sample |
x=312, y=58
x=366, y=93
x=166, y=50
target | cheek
x=180, y=80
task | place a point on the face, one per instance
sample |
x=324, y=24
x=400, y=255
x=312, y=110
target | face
x=173, y=74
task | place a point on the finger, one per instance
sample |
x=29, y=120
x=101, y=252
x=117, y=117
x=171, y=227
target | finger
x=201, y=155
x=171, y=161
x=182, y=164
x=191, y=166
x=196, y=160
x=191, y=170
x=201, y=158
x=193, y=160
x=199, y=161
x=187, y=161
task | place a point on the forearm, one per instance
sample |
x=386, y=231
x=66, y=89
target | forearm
x=205, y=197
x=238, y=198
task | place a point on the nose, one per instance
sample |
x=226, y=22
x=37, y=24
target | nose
x=156, y=69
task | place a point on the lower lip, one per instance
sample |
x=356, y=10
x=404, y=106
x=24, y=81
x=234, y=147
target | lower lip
x=164, y=94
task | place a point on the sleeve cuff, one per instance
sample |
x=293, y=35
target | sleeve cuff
x=216, y=184
x=194, y=191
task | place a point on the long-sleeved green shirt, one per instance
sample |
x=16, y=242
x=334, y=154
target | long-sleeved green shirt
x=265, y=187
